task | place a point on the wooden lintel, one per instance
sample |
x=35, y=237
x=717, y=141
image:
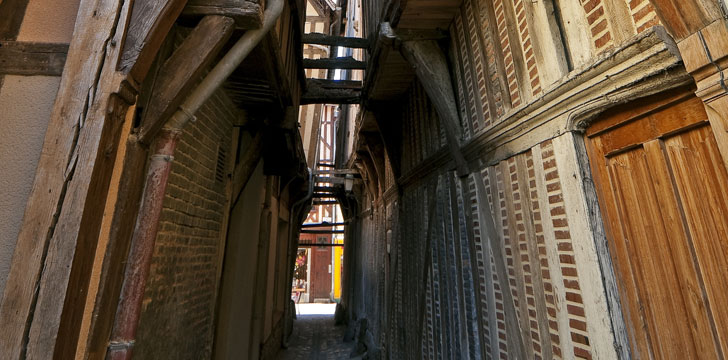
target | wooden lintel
x=180, y=72
x=247, y=14
x=347, y=62
x=341, y=41
x=32, y=58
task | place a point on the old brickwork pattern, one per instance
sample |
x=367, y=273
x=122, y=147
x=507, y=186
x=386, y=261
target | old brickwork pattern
x=177, y=315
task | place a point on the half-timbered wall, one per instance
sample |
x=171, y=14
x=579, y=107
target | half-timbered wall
x=23, y=119
x=507, y=53
x=432, y=280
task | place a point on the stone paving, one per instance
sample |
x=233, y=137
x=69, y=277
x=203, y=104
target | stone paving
x=316, y=338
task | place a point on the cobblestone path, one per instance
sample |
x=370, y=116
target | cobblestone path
x=316, y=338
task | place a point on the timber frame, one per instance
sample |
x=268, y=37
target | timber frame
x=43, y=304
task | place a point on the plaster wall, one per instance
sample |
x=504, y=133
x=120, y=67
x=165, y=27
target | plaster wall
x=23, y=122
x=26, y=103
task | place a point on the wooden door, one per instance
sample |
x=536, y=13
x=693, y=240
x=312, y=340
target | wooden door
x=663, y=191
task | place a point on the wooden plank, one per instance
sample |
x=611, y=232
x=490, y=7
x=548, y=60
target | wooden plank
x=182, y=70
x=31, y=58
x=649, y=194
x=346, y=62
x=148, y=26
x=695, y=155
x=340, y=41
x=247, y=14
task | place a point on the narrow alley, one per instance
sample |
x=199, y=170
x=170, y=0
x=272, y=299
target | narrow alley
x=364, y=179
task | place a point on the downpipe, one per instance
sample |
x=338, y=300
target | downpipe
x=128, y=311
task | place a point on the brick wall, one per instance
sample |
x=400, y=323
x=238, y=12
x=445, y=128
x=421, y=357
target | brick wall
x=177, y=315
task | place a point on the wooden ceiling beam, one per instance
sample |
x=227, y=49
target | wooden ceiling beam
x=247, y=14
x=341, y=41
x=346, y=62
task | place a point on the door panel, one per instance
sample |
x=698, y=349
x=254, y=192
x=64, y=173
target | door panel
x=663, y=192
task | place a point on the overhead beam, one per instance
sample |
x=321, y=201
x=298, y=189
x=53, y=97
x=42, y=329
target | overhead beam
x=247, y=14
x=334, y=84
x=312, y=245
x=325, y=202
x=32, y=58
x=322, y=231
x=182, y=70
x=322, y=225
x=330, y=96
x=331, y=40
x=347, y=62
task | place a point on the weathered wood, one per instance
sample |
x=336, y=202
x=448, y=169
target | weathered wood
x=432, y=70
x=317, y=95
x=340, y=41
x=247, y=14
x=182, y=70
x=148, y=26
x=334, y=84
x=122, y=226
x=663, y=226
x=347, y=62
x=683, y=18
x=62, y=217
x=31, y=58
x=12, y=12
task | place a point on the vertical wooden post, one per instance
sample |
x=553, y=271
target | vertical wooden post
x=51, y=266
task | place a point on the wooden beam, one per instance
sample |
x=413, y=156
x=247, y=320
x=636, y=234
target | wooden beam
x=341, y=41
x=247, y=14
x=32, y=58
x=334, y=84
x=330, y=96
x=182, y=70
x=312, y=245
x=12, y=12
x=432, y=70
x=40, y=310
x=323, y=224
x=347, y=62
x=149, y=24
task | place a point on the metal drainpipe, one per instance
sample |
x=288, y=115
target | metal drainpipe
x=145, y=233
